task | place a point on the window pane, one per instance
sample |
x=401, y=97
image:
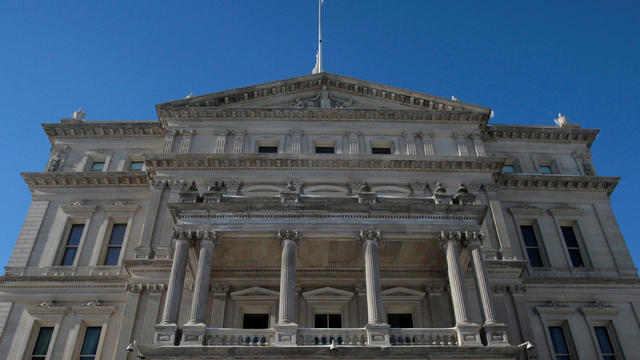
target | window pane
x=97, y=166
x=508, y=169
x=321, y=321
x=545, y=170
x=91, y=339
x=559, y=342
x=268, y=149
x=136, y=165
x=255, y=321
x=117, y=234
x=380, y=150
x=42, y=341
x=534, y=257
x=335, y=321
x=113, y=255
x=529, y=235
x=69, y=256
x=400, y=320
x=325, y=150
x=576, y=258
x=569, y=236
x=606, y=348
x=75, y=234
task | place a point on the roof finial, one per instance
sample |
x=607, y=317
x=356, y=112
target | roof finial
x=318, y=68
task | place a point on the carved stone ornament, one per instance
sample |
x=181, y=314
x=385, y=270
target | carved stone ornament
x=58, y=155
x=78, y=114
x=358, y=187
x=233, y=186
x=182, y=235
x=190, y=194
x=323, y=99
x=157, y=184
x=133, y=287
x=221, y=289
x=370, y=235
x=289, y=234
x=418, y=189
x=206, y=235
x=215, y=192
x=473, y=238
x=291, y=191
x=561, y=120
x=94, y=303
x=446, y=236
x=463, y=196
x=47, y=304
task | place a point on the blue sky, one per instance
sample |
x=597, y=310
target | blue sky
x=526, y=60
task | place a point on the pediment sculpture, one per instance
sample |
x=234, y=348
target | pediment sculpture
x=323, y=99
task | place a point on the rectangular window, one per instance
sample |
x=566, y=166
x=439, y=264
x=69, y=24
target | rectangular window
x=97, y=166
x=545, y=169
x=604, y=341
x=89, y=348
x=255, y=321
x=115, y=244
x=559, y=341
x=325, y=150
x=381, y=150
x=267, y=149
x=400, y=320
x=531, y=245
x=508, y=169
x=572, y=246
x=71, y=247
x=324, y=321
x=136, y=165
x=41, y=346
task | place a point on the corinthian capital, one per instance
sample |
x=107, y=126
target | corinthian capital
x=206, y=235
x=370, y=235
x=450, y=236
x=289, y=234
x=473, y=238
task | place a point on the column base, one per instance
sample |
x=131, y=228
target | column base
x=285, y=334
x=495, y=334
x=166, y=334
x=193, y=334
x=378, y=334
x=468, y=334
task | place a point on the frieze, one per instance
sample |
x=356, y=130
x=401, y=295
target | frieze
x=320, y=163
x=85, y=179
x=542, y=134
x=104, y=129
x=558, y=182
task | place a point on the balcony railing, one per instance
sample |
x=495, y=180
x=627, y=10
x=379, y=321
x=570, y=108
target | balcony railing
x=339, y=336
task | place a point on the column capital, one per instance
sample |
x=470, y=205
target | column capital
x=288, y=234
x=473, y=239
x=208, y=236
x=370, y=235
x=450, y=237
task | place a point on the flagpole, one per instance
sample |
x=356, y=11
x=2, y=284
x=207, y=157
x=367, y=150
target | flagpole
x=319, y=36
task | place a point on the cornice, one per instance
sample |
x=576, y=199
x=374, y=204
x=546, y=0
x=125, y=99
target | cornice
x=316, y=162
x=539, y=133
x=104, y=129
x=558, y=182
x=36, y=180
x=580, y=283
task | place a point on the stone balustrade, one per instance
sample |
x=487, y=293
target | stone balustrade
x=239, y=337
x=341, y=337
x=425, y=337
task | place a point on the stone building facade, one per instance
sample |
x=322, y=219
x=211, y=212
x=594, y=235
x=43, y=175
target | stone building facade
x=319, y=216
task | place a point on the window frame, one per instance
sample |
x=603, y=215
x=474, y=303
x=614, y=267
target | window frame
x=546, y=161
x=107, y=242
x=38, y=317
x=135, y=161
x=117, y=213
x=531, y=216
x=402, y=300
x=267, y=140
x=90, y=316
x=568, y=338
x=391, y=142
x=570, y=216
x=559, y=315
x=605, y=316
x=71, y=221
x=255, y=300
x=95, y=157
x=327, y=300
x=324, y=141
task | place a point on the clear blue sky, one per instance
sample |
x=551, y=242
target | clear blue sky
x=527, y=60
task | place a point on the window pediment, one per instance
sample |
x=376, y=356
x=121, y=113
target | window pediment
x=255, y=293
x=327, y=293
x=402, y=293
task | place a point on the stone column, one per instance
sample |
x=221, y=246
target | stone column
x=495, y=333
x=166, y=331
x=193, y=332
x=286, y=328
x=126, y=328
x=468, y=332
x=377, y=329
x=169, y=137
x=143, y=250
x=410, y=142
x=185, y=146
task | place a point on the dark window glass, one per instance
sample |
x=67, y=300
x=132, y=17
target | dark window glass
x=115, y=244
x=255, y=321
x=136, y=165
x=268, y=149
x=604, y=341
x=90, y=343
x=325, y=150
x=560, y=346
x=71, y=247
x=572, y=246
x=324, y=321
x=42, y=343
x=380, y=150
x=97, y=166
x=531, y=244
x=545, y=169
x=508, y=169
x=400, y=320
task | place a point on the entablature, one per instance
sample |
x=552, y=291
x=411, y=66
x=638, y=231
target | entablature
x=540, y=134
x=85, y=179
x=102, y=129
x=558, y=182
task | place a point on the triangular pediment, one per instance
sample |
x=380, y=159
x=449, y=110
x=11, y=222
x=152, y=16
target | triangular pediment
x=321, y=91
x=402, y=292
x=327, y=293
x=254, y=293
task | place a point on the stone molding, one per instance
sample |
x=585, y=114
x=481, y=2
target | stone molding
x=85, y=179
x=558, y=182
x=321, y=162
x=105, y=129
x=541, y=134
